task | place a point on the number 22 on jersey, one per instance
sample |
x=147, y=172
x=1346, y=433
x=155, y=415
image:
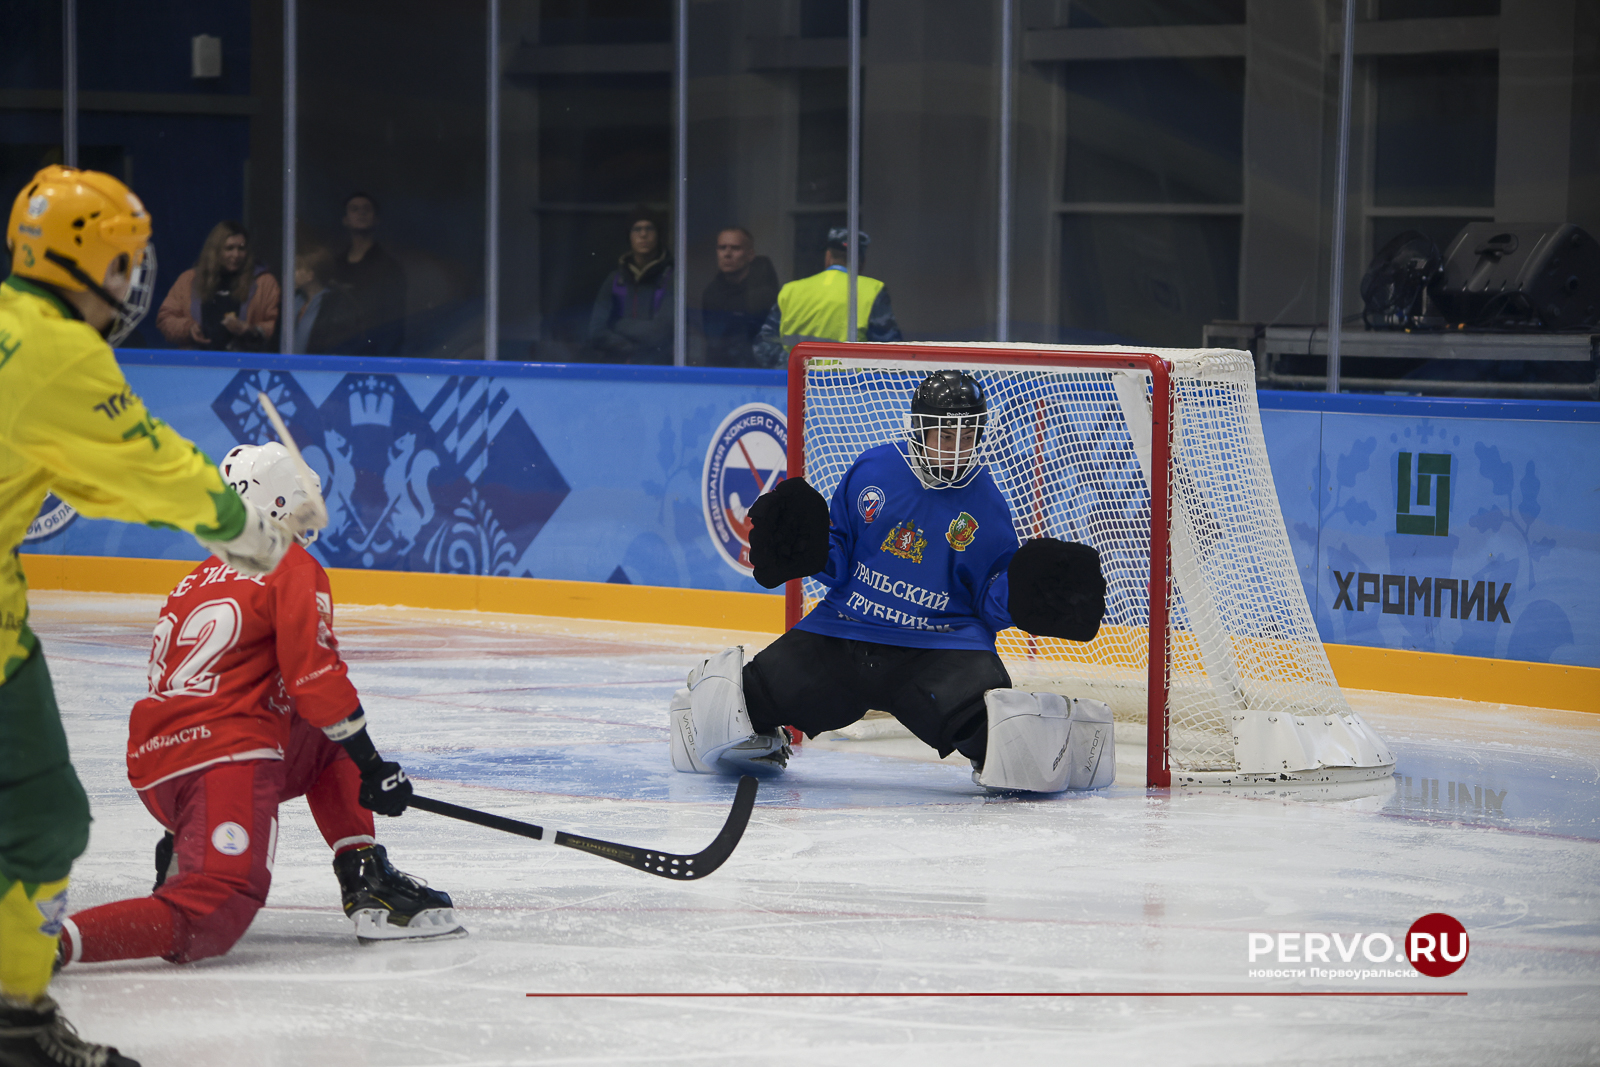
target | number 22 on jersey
x=182, y=659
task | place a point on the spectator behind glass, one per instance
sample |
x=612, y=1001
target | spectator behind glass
x=737, y=301
x=375, y=281
x=632, y=317
x=225, y=301
x=324, y=315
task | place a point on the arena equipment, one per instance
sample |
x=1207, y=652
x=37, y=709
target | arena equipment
x=1157, y=460
x=789, y=533
x=946, y=400
x=1522, y=276
x=1057, y=589
x=1044, y=743
x=312, y=514
x=270, y=478
x=710, y=725
x=69, y=227
x=662, y=864
x=390, y=905
x=1396, y=286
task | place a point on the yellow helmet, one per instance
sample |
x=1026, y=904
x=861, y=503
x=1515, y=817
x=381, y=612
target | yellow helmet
x=68, y=227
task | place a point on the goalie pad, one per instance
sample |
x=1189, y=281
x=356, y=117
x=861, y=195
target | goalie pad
x=710, y=726
x=1044, y=743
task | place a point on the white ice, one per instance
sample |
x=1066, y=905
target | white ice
x=872, y=877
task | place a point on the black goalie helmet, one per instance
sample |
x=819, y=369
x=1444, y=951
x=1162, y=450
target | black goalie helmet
x=945, y=433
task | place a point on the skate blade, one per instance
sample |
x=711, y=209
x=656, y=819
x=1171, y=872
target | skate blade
x=373, y=926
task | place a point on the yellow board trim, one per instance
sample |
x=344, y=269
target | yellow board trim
x=760, y=612
x=1497, y=681
x=1494, y=681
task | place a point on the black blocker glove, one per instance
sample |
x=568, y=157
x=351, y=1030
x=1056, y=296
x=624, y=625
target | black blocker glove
x=1057, y=589
x=789, y=535
x=385, y=789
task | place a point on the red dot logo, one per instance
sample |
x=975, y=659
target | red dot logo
x=1436, y=945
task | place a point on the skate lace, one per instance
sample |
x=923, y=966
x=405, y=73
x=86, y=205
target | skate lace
x=60, y=1041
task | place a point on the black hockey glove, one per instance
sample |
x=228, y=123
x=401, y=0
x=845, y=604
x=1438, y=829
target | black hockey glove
x=1057, y=589
x=385, y=788
x=789, y=535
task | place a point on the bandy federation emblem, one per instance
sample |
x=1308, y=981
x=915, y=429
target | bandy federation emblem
x=906, y=541
x=230, y=839
x=749, y=454
x=869, y=502
x=963, y=528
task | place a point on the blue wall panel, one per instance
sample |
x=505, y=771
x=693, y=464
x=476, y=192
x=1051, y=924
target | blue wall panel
x=1465, y=527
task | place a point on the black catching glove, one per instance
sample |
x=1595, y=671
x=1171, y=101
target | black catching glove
x=385, y=788
x=789, y=538
x=1057, y=589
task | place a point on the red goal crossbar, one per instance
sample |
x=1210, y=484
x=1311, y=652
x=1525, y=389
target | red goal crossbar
x=1157, y=771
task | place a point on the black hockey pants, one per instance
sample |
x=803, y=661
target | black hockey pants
x=817, y=683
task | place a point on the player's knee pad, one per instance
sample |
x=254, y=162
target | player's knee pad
x=1044, y=743
x=710, y=723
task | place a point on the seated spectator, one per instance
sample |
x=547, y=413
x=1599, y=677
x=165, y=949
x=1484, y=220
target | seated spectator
x=632, y=317
x=225, y=301
x=737, y=301
x=374, y=279
x=325, y=320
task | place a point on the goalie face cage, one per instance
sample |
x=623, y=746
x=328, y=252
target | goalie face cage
x=1157, y=459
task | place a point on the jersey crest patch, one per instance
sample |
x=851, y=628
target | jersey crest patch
x=963, y=528
x=906, y=541
x=869, y=503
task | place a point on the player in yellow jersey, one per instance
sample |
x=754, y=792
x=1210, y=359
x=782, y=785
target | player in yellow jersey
x=69, y=424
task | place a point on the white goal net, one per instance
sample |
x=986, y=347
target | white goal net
x=1248, y=691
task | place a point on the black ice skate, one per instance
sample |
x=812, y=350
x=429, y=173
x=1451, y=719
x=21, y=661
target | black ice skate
x=389, y=905
x=37, y=1036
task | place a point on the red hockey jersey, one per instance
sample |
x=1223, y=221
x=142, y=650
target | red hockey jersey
x=232, y=658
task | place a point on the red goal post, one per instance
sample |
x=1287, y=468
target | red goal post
x=1232, y=685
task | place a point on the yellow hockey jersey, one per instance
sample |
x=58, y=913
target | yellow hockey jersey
x=69, y=423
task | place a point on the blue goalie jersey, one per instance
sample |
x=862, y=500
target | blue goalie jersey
x=913, y=566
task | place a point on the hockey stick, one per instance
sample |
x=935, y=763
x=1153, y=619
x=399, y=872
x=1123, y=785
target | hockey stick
x=318, y=513
x=664, y=864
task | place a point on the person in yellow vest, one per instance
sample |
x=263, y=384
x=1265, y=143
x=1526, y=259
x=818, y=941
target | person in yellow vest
x=81, y=277
x=817, y=308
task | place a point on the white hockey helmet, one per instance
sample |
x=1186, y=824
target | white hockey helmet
x=265, y=475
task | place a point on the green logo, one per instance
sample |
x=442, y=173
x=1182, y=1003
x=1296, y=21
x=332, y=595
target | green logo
x=1417, y=489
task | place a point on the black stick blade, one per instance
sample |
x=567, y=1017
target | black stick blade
x=671, y=865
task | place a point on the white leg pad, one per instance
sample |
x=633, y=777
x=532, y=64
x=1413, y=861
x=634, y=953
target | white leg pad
x=1091, y=746
x=709, y=720
x=1042, y=743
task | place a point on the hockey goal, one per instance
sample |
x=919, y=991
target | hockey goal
x=1156, y=458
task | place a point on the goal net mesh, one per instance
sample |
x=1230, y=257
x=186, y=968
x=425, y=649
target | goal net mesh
x=1069, y=447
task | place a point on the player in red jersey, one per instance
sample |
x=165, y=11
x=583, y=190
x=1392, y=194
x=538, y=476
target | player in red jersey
x=249, y=706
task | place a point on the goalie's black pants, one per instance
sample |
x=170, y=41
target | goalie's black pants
x=817, y=683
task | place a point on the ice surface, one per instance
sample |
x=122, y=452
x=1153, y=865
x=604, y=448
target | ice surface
x=880, y=909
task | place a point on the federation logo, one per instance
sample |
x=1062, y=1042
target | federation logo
x=55, y=515
x=38, y=205
x=963, y=528
x=869, y=503
x=230, y=839
x=749, y=454
x=906, y=541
